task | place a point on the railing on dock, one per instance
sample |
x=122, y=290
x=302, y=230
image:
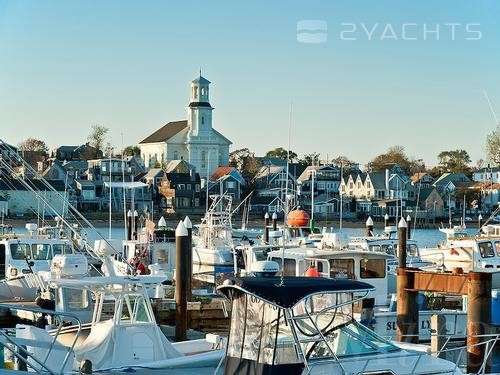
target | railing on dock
x=18, y=345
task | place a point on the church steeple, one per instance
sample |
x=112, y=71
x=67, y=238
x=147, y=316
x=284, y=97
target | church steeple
x=199, y=109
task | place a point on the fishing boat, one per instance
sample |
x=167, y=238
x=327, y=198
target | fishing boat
x=301, y=325
x=212, y=239
x=22, y=256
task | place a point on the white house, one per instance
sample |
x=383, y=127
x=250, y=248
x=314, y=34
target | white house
x=194, y=139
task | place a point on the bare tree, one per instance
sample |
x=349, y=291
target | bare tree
x=32, y=144
x=97, y=136
x=493, y=146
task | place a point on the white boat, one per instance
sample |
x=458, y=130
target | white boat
x=300, y=325
x=479, y=253
x=387, y=242
x=370, y=267
x=22, y=256
x=212, y=239
x=129, y=338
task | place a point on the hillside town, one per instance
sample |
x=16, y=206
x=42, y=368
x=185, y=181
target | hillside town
x=178, y=167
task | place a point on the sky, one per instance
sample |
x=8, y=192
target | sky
x=380, y=73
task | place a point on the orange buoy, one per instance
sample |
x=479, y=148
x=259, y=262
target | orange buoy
x=311, y=272
x=297, y=218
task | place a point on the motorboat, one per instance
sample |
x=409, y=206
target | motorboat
x=479, y=253
x=387, y=242
x=302, y=325
x=127, y=338
x=370, y=267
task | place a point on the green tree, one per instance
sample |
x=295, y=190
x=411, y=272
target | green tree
x=244, y=161
x=281, y=153
x=454, y=161
x=493, y=146
x=310, y=159
x=32, y=144
x=394, y=155
x=97, y=137
x=132, y=151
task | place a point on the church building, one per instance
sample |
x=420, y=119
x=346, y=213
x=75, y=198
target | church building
x=193, y=140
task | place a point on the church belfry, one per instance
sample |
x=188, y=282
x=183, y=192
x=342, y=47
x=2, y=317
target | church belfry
x=199, y=109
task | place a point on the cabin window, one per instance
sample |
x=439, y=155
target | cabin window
x=372, y=268
x=412, y=250
x=497, y=247
x=20, y=251
x=486, y=249
x=41, y=251
x=59, y=249
x=75, y=300
x=342, y=268
x=289, y=266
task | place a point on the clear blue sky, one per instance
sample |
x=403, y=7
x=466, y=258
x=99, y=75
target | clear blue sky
x=126, y=65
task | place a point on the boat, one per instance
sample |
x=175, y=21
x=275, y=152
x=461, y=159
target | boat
x=128, y=338
x=370, y=267
x=302, y=325
x=23, y=255
x=479, y=253
x=387, y=242
x=212, y=239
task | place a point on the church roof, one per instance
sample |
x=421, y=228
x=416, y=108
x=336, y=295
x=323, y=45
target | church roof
x=166, y=132
x=200, y=79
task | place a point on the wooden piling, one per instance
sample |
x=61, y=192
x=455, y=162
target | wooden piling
x=407, y=306
x=266, y=228
x=275, y=221
x=479, y=221
x=408, y=230
x=181, y=278
x=189, y=258
x=478, y=318
x=438, y=334
x=369, y=227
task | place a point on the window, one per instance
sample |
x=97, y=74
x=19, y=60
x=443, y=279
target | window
x=289, y=266
x=41, y=251
x=497, y=247
x=20, y=251
x=486, y=249
x=176, y=155
x=230, y=184
x=202, y=120
x=180, y=186
x=372, y=268
x=61, y=249
x=342, y=268
x=197, y=188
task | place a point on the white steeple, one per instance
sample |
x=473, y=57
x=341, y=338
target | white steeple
x=199, y=109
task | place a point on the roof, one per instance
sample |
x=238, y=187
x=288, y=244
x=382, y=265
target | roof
x=378, y=180
x=179, y=166
x=463, y=184
x=166, y=132
x=221, y=171
x=288, y=291
x=154, y=172
x=35, y=184
x=125, y=185
x=201, y=79
x=419, y=175
x=86, y=182
x=446, y=177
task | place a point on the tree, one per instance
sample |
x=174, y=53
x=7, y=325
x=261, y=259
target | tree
x=97, y=136
x=32, y=144
x=244, y=160
x=310, y=159
x=132, y=151
x=493, y=146
x=454, y=161
x=394, y=155
x=281, y=153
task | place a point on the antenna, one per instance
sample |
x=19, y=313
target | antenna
x=497, y=123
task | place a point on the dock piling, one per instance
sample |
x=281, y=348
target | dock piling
x=181, y=288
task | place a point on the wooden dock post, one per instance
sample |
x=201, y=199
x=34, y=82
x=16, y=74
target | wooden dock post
x=386, y=220
x=266, y=228
x=407, y=307
x=369, y=227
x=438, y=334
x=275, y=221
x=408, y=230
x=479, y=221
x=181, y=278
x=478, y=318
x=189, y=258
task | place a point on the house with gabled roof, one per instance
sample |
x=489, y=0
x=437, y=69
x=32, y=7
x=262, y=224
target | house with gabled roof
x=227, y=180
x=442, y=181
x=194, y=139
x=422, y=179
x=491, y=174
